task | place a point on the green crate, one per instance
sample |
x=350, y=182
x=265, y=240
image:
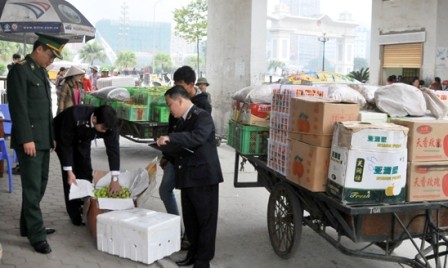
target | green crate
x=231, y=133
x=132, y=112
x=160, y=114
x=92, y=100
x=251, y=140
x=114, y=103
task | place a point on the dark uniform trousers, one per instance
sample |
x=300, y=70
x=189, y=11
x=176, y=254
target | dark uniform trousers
x=200, y=215
x=82, y=168
x=34, y=177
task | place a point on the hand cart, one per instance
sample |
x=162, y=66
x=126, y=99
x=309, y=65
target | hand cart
x=424, y=224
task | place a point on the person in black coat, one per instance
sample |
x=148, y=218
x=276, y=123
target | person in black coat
x=197, y=175
x=75, y=128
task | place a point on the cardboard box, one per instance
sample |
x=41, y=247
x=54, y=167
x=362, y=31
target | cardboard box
x=92, y=207
x=308, y=165
x=370, y=136
x=428, y=139
x=372, y=117
x=315, y=115
x=139, y=234
x=312, y=139
x=256, y=114
x=362, y=176
x=427, y=181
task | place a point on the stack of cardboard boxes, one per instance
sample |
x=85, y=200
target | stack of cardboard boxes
x=428, y=158
x=310, y=131
x=280, y=120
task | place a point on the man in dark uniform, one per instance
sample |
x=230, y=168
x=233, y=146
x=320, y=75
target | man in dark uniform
x=75, y=128
x=197, y=175
x=29, y=98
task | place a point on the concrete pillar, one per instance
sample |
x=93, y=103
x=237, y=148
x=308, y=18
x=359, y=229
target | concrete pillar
x=236, y=52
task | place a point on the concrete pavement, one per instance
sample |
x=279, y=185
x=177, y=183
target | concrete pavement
x=242, y=239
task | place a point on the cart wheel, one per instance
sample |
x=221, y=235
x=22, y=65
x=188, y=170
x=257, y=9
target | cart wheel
x=284, y=220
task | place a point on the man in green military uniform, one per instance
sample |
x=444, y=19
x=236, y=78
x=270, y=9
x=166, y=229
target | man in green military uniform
x=29, y=98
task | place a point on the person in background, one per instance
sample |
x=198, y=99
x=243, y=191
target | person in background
x=437, y=84
x=415, y=82
x=29, y=98
x=15, y=59
x=391, y=79
x=86, y=84
x=59, y=78
x=74, y=129
x=72, y=92
x=197, y=175
x=94, y=77
x=202, y=84
x=104, y=72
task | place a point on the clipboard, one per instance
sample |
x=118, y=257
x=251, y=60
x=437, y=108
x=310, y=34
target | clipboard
x=172, y=149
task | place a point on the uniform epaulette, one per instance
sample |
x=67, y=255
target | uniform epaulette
x=22, y=62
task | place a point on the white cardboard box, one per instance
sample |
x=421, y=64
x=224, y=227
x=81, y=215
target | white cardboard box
x=138, y=234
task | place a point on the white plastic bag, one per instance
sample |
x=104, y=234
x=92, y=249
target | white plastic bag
x=400, y=100
x=345, y=93
x=254, y=94
x=437, y=108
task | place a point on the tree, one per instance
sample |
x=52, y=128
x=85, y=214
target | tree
x=91, y=52
x=126, y=59
x=361, y=75
x=192, y=60
x=359, y=63
x=316, y=65
x=163, y=63
x=191, y=23
x=274, y=64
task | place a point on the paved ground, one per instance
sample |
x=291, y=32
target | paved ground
x=242, y=239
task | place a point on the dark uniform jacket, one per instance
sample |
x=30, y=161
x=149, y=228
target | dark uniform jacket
x=29, y=98
x=73, y=126
x=197, y=133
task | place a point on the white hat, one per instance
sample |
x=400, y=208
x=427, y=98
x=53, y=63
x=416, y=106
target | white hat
x=73, y=71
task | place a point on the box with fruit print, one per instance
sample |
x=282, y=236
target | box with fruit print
x=368, y=162
x=315, y=115
x=361, y=176
x=308, y=165
x=427, y=181
x=428, y=139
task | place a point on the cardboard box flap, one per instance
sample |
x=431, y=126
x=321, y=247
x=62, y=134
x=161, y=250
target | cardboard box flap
x=370, y=136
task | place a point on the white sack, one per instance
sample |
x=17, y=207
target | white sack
x=437, y=107
x=399, y=100
x=344, y=93
x=367, y=91
x=254, y=94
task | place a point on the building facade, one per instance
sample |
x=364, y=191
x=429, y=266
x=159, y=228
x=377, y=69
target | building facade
x=409, y=39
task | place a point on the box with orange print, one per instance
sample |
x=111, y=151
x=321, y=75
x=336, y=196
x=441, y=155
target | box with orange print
x=428, y=139
x=427, y=181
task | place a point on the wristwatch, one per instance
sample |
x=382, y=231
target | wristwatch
x=114, y=178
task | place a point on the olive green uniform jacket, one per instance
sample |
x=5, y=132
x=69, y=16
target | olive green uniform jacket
x=29, y=98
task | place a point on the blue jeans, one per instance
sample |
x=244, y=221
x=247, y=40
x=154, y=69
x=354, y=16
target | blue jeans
x=166, y=189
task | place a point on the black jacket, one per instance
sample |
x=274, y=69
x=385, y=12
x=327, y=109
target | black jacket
x=196, y=133
x=73, y=126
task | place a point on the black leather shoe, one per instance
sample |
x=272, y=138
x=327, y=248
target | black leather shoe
x=77, y=221
x=42, y=247
x=47, y=230
x=186, y=262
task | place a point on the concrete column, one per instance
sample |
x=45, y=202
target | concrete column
x=236, y=52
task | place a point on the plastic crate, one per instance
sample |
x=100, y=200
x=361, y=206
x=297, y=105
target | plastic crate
x=134, y=112
x=231, y=133
x=92, y=100
x=251, y=140
x=160, y=114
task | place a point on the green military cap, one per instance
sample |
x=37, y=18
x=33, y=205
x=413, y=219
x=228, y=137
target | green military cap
x=104, y=69
x=56, y=44
x=202, y=80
